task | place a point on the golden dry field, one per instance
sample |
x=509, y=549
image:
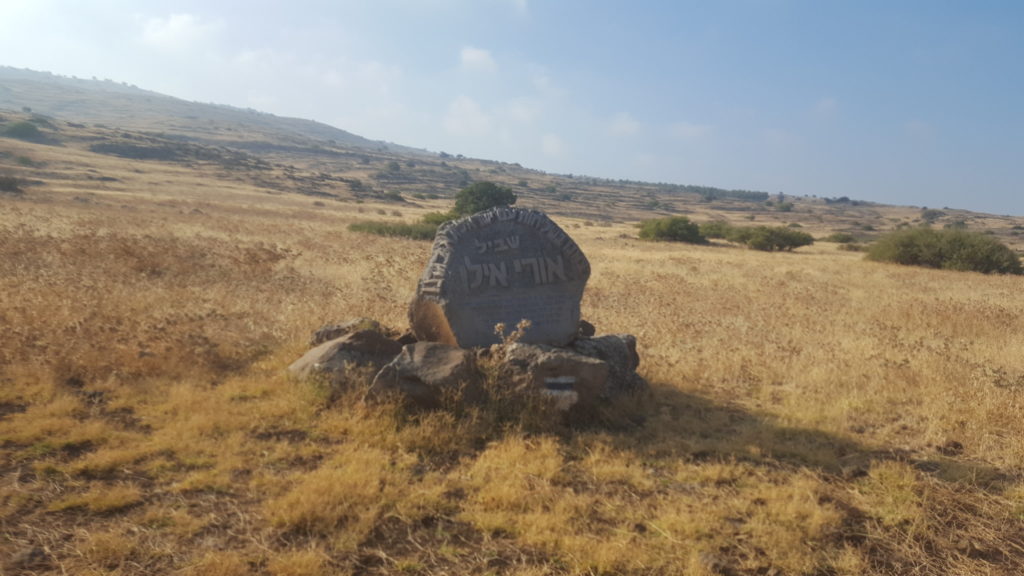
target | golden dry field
x=811, y=413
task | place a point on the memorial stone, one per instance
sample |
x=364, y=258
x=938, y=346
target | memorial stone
x=502, y=265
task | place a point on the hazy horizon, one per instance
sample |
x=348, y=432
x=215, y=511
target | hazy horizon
x=911, y=104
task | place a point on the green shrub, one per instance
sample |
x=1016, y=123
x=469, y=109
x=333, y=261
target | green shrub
x=770, y=239
x=672, y=229
x=715, y=229
x=947, y=249
x=415, y=231
x=438, y=218
x=21, y=131
x=481, y=196
x=840, y=238
x=10, y=184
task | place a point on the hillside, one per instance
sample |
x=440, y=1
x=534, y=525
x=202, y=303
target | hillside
x=129, y=107
x=294, y=155
x=811, y=413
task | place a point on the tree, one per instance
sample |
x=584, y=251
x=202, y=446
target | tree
x=481, y=196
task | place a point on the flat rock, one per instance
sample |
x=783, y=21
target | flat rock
x=361, y=348
x=565, y=376
x=619, y=351
x=425, y=372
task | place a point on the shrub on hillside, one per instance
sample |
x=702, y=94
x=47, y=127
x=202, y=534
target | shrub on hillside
x=769, y=238
x=950, y=249
x=672, y=229
x=715, y=229
x=21, y=130
x=481, y=196
x=438, y=218
x=415, y=231
x=840, y=238
x=470, y=200
x=10, y=185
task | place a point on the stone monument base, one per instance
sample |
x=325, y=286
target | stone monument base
x=586, y=372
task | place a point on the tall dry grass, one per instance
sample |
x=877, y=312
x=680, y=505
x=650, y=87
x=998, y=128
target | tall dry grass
x=811, y=413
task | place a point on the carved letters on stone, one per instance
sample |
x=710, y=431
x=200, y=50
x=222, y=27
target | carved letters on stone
x=502, y=265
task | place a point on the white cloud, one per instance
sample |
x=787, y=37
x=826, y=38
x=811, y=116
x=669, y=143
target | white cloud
x=623, y=125
x=465, y=117
x=521, y=6
x=177, y=32
x=551, y=145
x=477, y=59
x=688, y=131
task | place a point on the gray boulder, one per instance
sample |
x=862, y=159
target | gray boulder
x=425, y=372
x=364, y=348
x=619, y=352
x=565, y=376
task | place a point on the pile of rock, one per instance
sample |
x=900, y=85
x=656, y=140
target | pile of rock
x=498, y=267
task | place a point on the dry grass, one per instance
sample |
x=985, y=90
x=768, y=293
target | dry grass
x=812, y=413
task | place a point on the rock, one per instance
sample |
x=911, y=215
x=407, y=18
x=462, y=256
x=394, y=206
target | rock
x=619, y=351
x=360, y=348
x=502, y=265
x=567, y=377
x=332, y=331
x=406, y=338
x=425, y=372
x=585, y=330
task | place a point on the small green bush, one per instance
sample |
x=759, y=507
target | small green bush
x=770, y=238
x=840, y=238
x=21, y=130
x=438, y=218
x=415, y=231
x=715, y=229
x=481, y=196
x=672, y=229
x=946, y=249
x=10, y=184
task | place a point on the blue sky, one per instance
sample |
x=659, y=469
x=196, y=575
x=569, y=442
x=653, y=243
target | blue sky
x=899, y=102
